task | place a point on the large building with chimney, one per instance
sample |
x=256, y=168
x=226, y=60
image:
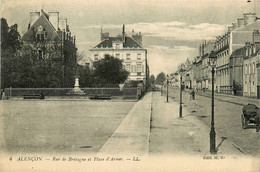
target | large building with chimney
x=49, y=36
x=238, y=64
x=228, y=68
x=128, y=49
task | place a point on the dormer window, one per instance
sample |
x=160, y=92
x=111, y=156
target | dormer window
x=40, y=35
x=117, y=46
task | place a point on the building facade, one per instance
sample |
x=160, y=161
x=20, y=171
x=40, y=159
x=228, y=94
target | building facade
x=128, y=49
x=251, y=70
x=237, y=35
x=50, y=37
x=237, y=66
x=204, y=51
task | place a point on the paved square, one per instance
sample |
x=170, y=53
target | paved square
x=60, y=126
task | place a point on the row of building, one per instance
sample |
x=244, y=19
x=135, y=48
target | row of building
x=48, y=33
x=237, y=65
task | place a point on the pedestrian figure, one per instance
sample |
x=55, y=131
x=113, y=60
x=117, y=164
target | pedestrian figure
x=196, y=89
x=193, y=94
x=257, y=119
x=235, y=91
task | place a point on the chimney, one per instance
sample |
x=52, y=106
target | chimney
x=240, y=22
x=69, y=35
x=54, y=19
x=248, y=46
x=249, y=18
x=33, y=17
x=256, y=36
x=62, y=23
x=230, y=28
x=200, y=51
x=234, y=25
x=202, y=48
x=123, y=33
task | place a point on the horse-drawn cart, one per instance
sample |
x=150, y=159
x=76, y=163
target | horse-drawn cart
x=248, y=117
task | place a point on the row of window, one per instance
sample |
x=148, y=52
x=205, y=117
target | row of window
x=250, y=50
x=128, y=56
x=250, y=68
x=134, y=68
x=222, y=58
x=223, y=54
x=249, y=85
x=222, y=42
x=223, y=72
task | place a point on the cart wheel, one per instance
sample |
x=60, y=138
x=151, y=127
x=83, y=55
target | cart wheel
x=243, y=121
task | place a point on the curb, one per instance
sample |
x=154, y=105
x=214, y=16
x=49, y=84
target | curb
x=133, y=133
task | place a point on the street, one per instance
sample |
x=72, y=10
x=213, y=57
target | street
x=228, y=110
x=171, y=135
x=82, y=126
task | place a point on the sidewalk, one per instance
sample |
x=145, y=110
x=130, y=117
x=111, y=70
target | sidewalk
x=182, y=136
x=132, y=136
x=169, y=135
x=240, y=100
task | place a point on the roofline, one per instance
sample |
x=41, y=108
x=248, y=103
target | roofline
x=240, y=28
x=119, y=41
x=123, y=49
x=134, y=41
x=52, y=27
x=48, y=22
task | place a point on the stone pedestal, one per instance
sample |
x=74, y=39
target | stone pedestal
x=76, y=90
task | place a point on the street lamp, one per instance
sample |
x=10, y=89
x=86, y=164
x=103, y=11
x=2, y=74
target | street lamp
x=167, y=86
x=162, y=88
x=180, y=109
x=212, y=62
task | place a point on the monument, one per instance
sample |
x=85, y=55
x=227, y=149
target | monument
x=76, y=90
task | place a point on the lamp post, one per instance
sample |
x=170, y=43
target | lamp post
x=162, y=89
x=212, y=61
x=167, y=86
x=180, y=109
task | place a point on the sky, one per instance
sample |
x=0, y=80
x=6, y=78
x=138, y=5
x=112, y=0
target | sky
x=172, y=29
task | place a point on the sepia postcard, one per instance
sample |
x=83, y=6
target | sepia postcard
x=130, y=85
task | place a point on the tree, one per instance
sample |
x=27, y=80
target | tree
x=152, y=79
x=37, y=64
x=160, y=78
x=10, y=39
x=86, y=77
x=109, y=72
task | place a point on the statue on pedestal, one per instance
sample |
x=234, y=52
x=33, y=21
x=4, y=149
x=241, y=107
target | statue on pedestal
x=76, y=90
